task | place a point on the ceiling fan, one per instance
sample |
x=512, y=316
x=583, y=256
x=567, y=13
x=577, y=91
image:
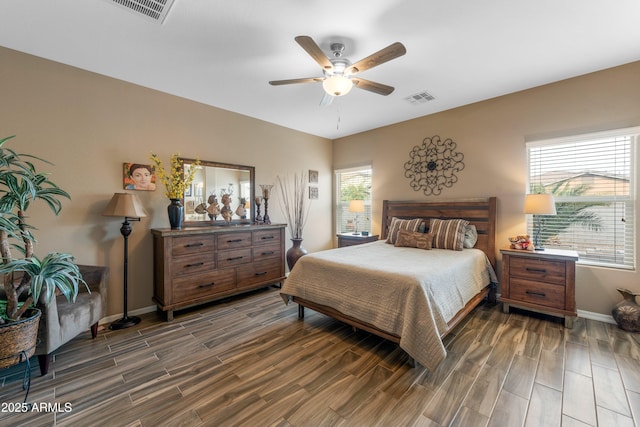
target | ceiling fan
x=339, y=73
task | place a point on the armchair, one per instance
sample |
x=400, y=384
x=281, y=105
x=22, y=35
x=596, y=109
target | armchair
x=61, y=321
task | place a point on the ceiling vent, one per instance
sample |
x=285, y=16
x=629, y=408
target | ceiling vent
x=156, y=10
x=420, y=98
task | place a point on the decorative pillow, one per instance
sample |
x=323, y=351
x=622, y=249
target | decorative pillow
x=470, y=236
x=414, y=239
x=448, y=234
x=401, y=224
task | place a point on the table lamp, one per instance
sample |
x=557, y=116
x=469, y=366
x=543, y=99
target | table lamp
x=356, y=206
x=539, y=204
x=128, y=206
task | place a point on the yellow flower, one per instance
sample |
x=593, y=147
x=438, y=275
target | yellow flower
x=175, y=182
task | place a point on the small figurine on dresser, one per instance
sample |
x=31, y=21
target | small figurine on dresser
x=522, y=242
x=213, y=209
x=226, y=211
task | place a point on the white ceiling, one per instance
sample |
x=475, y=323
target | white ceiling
x=223, y=53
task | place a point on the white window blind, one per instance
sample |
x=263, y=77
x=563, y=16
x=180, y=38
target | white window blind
x=353, y=184
x=592, y=180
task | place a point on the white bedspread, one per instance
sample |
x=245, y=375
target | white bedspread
x=408, y=292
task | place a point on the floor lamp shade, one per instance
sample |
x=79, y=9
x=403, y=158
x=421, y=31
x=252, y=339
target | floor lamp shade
x=127, y=206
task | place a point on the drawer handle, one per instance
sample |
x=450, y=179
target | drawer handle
x=235, y=258
x=262, y=273
x=267, y=237
x=193, y=245
x=196, y=264
x=268, y=253
x=207, y=285
x=234, y=241
x=537, y=294
x=537, y=270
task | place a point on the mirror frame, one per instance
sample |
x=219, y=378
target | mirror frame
x=252, y=192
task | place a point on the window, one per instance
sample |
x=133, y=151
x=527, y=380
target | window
x=592, y=180
x=353, y=184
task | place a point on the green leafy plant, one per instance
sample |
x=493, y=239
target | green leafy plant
x=29, y=280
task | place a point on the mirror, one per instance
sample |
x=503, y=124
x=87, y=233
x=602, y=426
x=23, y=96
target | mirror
x=213, y=184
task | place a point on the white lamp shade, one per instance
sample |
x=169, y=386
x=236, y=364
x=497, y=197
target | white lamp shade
x=125, y=205
x=337, y=85
x=356, y=206
x=539, y=204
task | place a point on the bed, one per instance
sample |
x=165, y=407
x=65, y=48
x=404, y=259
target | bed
x=407, y=295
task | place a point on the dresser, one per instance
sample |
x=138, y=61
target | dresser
x=201, y=264
x=350, y=239
x=542, y=281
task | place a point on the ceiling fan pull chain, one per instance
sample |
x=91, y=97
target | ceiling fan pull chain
x=338, y=123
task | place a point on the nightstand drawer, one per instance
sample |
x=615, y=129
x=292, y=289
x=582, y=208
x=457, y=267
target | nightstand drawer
x=538, y=270
x=552, y=296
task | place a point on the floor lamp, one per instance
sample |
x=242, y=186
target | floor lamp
x=128, y=206
x=539, y=204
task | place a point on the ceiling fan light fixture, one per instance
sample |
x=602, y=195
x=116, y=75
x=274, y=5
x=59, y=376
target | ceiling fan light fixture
x=337, y=85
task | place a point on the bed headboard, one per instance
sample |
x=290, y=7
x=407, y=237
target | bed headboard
x=479, y=212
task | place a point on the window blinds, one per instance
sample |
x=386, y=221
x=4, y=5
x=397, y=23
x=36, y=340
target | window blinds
x=592, y=180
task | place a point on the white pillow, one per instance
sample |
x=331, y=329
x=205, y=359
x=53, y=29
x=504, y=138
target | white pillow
x=470, y=236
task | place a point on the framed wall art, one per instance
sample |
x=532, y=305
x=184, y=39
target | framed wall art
x=313, y=193
x=137, y=176
x=313, y=177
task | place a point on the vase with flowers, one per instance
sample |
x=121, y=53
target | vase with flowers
x=176, y=181
x=293, y=201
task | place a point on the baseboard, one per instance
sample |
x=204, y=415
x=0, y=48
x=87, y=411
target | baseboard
x=596, y=316
x=136, y=312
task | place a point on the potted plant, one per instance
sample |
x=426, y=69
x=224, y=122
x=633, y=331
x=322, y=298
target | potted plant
x=293, y=201
x=27, y=280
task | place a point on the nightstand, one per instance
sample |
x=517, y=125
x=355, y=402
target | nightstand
x=350, y=239
x=543, y=281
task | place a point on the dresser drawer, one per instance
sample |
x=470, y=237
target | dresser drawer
x=188, y=245
x=259, y=272
x=234, y=240
x=204, y=285
x=234, y=257
x=552, y=296
x=193, y=264
x=267, y=252
x=538, y=270
x=266, y=237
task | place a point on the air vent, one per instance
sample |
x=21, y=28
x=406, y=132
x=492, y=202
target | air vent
x=156, y=10
x=420, y=98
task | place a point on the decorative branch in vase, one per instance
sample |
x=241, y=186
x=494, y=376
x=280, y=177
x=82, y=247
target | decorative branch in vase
x=293, y=201
x=176, y=183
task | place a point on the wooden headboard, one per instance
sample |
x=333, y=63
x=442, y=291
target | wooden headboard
x=479, y=212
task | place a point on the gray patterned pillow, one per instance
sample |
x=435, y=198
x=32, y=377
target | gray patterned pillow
x=448, y=234
x=401, y=224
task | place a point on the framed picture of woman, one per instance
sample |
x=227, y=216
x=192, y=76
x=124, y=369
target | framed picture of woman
x=137, y=176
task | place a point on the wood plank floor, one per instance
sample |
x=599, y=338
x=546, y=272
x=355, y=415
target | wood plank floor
x=249, y=361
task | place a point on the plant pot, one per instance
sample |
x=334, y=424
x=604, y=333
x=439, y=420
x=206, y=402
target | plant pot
x=19, y=339
x=175, y=210
x=295, y=252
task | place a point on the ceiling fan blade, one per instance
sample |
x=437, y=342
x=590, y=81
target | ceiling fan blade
x=326, y=100
x=294, y=81
x=380, y=57
x=314, y=50
x=378, y=88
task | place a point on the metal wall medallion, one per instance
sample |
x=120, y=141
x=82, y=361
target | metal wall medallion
x=432, y=166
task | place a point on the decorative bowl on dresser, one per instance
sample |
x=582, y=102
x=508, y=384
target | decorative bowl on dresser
x=541, y=281
x=201, y=264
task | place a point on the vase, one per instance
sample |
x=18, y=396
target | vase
x=176, y=214
x=627, y=312
x=295, y=252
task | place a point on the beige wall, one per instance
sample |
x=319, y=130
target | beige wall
x=89, y=125
x=492, y=135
